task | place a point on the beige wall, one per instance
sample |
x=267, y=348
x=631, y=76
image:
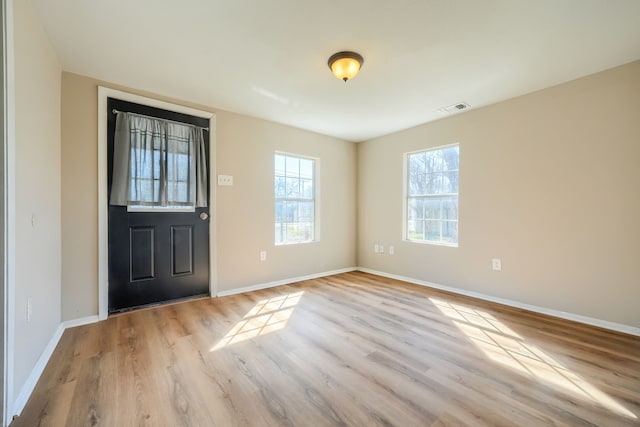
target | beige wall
x=37, y=192
x=243, y=214
x=549, y=182
x=540, y=173
x=79, y=198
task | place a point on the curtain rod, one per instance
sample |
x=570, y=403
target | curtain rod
x=158, y=118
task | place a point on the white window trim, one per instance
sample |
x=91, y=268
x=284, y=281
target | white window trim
x=405, y=198
x=316, y=197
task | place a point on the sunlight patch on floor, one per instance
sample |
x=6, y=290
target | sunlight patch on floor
x=266, y=316
x=501, y=344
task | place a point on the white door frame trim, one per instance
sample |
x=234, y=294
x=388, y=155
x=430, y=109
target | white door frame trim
x=103, y=208
x=9, y=206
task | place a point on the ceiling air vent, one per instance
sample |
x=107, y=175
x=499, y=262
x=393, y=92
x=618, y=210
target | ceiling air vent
x=451, y=109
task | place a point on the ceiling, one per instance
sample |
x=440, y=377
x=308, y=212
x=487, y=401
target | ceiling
x=268, y=59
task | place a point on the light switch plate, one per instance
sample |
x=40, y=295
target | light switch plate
x=225, y=180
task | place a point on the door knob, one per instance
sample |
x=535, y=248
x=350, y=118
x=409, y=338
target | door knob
x=203, y=216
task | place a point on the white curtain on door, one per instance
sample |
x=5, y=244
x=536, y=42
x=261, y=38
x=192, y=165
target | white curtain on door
x=158, y=163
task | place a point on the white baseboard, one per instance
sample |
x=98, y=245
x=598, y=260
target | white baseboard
x=81, y=321
x=283, y=282
x=32, y=380
x=618, y=327
x=36, y=372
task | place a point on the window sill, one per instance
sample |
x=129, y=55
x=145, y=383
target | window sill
x=427, y=242
x=297, y=243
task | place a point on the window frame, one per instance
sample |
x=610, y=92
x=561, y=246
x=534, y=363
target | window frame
x=315, y=223
x=406, y=196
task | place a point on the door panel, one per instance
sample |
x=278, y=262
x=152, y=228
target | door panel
x=142, y=247
x=155, y=257
x=181, y=250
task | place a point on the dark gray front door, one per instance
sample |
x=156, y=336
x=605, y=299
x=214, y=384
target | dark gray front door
x=155, y=257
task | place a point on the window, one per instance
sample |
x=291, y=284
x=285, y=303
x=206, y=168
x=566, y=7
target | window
x=158, y=164
x=294, y=186
x=432, y=195
x=146, y=168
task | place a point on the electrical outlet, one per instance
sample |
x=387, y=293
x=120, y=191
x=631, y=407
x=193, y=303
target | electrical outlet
x=376, y=249
x=496, y=264
x=263, y=255
x=381, y=249
x=392, y=250
x=225, y=180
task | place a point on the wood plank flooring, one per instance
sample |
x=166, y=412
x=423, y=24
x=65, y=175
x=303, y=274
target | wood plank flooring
x=347, y=350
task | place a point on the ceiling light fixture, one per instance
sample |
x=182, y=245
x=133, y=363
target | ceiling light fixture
x=345, y=65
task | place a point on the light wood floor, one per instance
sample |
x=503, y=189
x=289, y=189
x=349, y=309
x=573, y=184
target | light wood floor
x=352, y=349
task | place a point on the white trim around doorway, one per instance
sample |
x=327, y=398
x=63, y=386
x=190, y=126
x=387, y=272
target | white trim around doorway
x=103, y=218
x=8, y=205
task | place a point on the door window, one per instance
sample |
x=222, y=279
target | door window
x=159, y=165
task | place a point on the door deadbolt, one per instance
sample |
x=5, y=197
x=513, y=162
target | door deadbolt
x=203, y=216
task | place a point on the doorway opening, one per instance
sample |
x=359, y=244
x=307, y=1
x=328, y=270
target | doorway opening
x=181, y=261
